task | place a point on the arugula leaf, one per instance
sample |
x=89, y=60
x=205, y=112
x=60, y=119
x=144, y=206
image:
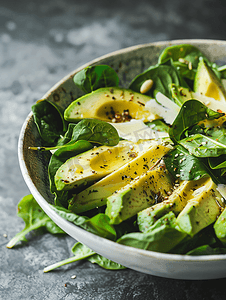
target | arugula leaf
x=190, y=114
x=92, y=78
x=163, y=76
x=49, y=120
x=34, y=218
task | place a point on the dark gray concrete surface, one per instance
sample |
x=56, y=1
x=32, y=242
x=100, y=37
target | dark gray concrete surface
x=40, y=42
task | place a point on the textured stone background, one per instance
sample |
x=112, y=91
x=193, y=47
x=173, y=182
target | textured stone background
x=40, y=42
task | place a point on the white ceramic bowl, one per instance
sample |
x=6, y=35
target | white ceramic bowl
x=128, y=63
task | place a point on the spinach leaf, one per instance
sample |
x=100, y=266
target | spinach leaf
x=205, y=236
x=92, y=78
x=92, y=130
x=184, y=56
x=163, y=76
x=95, y=131
x=158, y=125
x=207, y=250
x=186, y=51
x=99, y=224
x=105, y=262
x=80, y=252
x=217, y=162
x=162, y=236
x=185, y=166
x=204, y=146
x=190, y=114
x=49, y=120
x=34, y=218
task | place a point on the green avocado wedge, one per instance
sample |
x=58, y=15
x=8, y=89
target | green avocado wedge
x=109, y=104
x=202, y=209
x=174, y=202
x=96, y=194
x=220, y=227
x=94, y=164
x=207, y=83
x=142, y=192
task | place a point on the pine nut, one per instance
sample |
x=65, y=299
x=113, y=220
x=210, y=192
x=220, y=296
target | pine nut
x=146, y=86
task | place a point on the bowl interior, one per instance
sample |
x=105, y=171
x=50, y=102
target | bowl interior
x=34, y=166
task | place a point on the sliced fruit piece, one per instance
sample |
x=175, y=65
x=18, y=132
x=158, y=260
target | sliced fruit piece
x=207, y=83
x=175, y=202
x=109, y=104
x=202, y=209
x=142, y=192
x=96, y=195
x=97, y=163
x=220, y=227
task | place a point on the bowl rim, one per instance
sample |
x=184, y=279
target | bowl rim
x=52, y=214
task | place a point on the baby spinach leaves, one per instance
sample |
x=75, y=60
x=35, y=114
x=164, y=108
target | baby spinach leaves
x=163, y=76
x=96, y=131
x=98, y=224
x=34, y=218
x=92, y=78
x=49, y=119
x=193, y=143
x=80, y=252
x=185, y=166
x=190, y=114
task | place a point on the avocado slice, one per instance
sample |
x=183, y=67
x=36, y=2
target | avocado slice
x=220, y=227
x=96, y=163
x=207, y=83
x=144, y=191
x=162, y=236
x=174, y=202
x=202, y=209
x=110, y=104
x=96, y=195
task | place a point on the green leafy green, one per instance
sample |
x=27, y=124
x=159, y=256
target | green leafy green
x=92, y=78
x=49, y=119
x=185, y=166
x=162, y=236
x=104, y=262
x=163, y=76
x=98, y=224
x=92, y=130
x=207, y=250
x=34, y=218
x=96, y=131
x=204, y=146
x=81, y=252
x=190, y=114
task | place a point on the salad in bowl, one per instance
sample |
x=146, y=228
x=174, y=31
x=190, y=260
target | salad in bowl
x=130, y=156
